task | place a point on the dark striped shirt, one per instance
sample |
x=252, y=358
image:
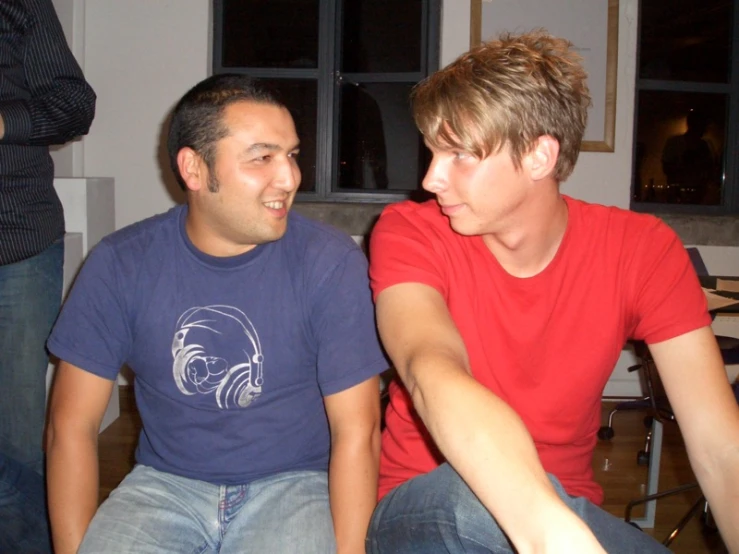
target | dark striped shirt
x=44, y=100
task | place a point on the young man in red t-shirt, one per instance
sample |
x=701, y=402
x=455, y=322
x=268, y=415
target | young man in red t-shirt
x=504, y=306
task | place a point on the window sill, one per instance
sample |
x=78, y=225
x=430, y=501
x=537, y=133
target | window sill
x=352, y=218
x=694, y=230
x=704, y=230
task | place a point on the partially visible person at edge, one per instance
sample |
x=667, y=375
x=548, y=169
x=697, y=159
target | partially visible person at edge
x=251, y=334
x=44, y=101
x=504, y=306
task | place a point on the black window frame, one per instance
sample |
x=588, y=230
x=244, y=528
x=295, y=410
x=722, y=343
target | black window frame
x=730, y=190
x=327, y=76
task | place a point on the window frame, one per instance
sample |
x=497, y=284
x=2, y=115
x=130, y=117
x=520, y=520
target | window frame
x=328, y=77
x=730, y=190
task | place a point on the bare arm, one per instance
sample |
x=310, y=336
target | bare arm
x=78, y=403
x=479, y=434
x=354, y=419
x=696, y=383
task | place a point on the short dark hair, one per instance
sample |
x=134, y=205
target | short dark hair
x=197, y=120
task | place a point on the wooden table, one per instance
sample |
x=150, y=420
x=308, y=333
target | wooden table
x=722, y=293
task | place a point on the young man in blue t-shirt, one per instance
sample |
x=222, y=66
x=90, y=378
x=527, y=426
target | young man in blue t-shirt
x=250, y=332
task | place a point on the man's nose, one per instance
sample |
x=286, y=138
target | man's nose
x=289, y=176
x=435, y=179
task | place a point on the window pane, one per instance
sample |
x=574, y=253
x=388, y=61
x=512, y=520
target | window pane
x=679, y=155
x=685, y=40
x=381, y=36
x=380, y=147
x=270, y=33
x=301, y=99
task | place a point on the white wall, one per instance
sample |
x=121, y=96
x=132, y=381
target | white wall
x=140, y=57
x=69, y=159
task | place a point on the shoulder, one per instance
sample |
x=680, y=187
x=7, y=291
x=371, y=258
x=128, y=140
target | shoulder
x=410, y=214
x=622, y=240
x=308, y=238
x=143, y=238
x=412, y=222
x=319, y=257
x=619, y=223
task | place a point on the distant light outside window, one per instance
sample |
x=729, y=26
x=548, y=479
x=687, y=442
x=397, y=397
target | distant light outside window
x=687, y=97
x=345, y=69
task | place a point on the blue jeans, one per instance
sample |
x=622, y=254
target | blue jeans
x=30, y=296
x=24, y=523
x=437, y=512
x=152, y=512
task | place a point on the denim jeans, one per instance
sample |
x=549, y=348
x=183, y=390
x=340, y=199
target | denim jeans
x=30, y=296
x=437, y=512
x=24, y=523
x=155, y=512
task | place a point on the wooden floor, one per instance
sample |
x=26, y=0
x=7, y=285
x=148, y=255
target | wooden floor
x=614, y=463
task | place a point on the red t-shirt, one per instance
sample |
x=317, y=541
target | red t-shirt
x=546, y=344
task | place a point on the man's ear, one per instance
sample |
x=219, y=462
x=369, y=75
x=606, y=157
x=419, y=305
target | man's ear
x=192, y=168
x=542, y=158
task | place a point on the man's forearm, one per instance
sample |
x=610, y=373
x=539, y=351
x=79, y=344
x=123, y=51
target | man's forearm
x=721, y=487
x=489, y=446
x=73, y=485
x=353, y=489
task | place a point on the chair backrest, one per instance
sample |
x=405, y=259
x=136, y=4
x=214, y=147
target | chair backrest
x=697, y=261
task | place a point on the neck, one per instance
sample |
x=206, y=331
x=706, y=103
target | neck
x=531, y=239
x=211, y=241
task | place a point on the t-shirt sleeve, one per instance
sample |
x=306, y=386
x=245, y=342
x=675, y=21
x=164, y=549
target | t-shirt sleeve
x=92, y=332
x=402, y=251
x=343, y=320
x=668, y=297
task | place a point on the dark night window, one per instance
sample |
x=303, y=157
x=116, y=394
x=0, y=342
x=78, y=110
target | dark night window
x=687, y=107
x=345, y=69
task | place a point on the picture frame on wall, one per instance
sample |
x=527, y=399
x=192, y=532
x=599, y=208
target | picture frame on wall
x=591, y=26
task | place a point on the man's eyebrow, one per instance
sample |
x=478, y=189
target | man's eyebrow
x=262, y=146
x=259, y=146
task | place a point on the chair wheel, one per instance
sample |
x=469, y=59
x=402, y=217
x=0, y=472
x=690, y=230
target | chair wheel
x=648, y=420
x=642, y=458
x=605, y=433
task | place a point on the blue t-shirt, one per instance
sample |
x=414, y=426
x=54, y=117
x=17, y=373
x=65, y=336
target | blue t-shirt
x=232, y=356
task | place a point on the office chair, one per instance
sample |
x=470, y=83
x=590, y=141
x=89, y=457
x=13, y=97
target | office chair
x=654, y=402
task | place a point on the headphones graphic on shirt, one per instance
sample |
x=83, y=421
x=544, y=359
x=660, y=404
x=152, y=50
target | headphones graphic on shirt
x=216, y=350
